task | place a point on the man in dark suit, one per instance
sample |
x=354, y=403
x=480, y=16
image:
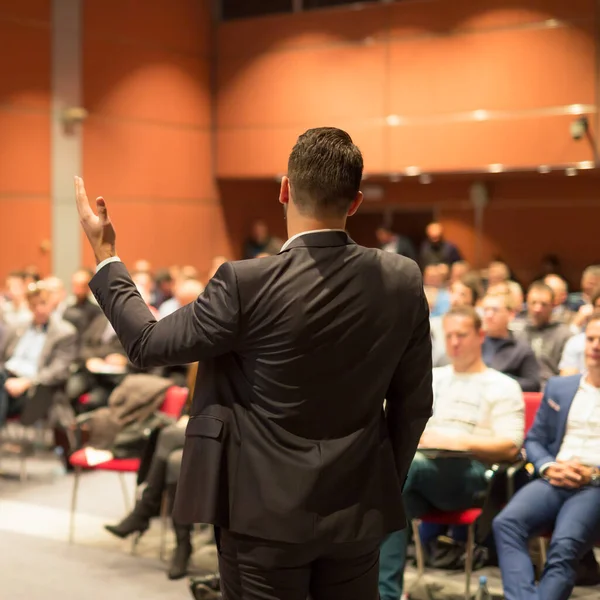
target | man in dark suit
x=564, y=447
x=289, y=452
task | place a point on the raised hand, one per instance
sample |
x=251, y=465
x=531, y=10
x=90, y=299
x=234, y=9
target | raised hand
x=98, y=228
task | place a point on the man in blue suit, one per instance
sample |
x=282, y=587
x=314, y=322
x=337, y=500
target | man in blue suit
x=564, y=447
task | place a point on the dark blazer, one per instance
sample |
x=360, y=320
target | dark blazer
x=287, y=438
x=516, y=359
x=546, y=435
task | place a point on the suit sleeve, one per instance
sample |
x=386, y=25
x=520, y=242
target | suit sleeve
x=64, y=355
x=409, y=398
x=203, y=329
x=539, y=437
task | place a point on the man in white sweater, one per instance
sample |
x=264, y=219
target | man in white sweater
x=477, y=411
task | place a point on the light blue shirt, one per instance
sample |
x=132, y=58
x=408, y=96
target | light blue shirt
x=26, y=358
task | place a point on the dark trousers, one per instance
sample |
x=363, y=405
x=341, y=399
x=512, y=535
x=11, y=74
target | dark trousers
x=443, y=484
x=31, y=406
x=255, y=569
x=574, y=517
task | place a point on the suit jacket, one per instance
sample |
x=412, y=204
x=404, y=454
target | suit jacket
x=58, y=353
x=287, y=438
x=546, y=435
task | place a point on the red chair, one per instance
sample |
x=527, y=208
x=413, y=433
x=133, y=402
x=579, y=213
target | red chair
x=452, y=518
x=469, y=517
x=172, y=405
x=532, y=403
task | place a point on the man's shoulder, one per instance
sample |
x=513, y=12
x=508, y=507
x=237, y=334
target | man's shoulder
x=502, y=384
x=563, y=388
x=62, y=328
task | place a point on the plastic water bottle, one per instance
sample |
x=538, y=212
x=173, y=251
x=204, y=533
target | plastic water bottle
x=482, y=592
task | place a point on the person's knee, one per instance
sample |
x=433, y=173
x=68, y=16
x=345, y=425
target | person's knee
x=566, y=549
x=505, y=525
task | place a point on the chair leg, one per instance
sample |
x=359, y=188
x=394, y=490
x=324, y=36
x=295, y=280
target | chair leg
x=469, y=560
x=74, y=504
x=418, y=548
x=543, y=554
x=164, y=526
x=125, y=492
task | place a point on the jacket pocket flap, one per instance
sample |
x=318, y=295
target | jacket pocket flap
x=204, y=425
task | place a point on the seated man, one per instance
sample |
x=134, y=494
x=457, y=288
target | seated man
x=465, y=291
x=500, y=350
x=572, y=361
x=35, y=360
x=101, y=364
x=563, y=446
x=477, y=411
x=546, y=337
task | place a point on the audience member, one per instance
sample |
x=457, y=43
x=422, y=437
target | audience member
x=590, y=281
x=497, y=272
x=573, y=356
x=15, y=310
x=564, y=447
x=458, y=270
x=164, y=468
x=435, y=249
x=465, y=292
x=478, y=411
x=186, y=291
x=99, y=367
x=79, y=309
x=35, y=362
x=394, y=242
x=501, y=350
x=163, y=288
x=435, y=279
x=561, y=312
x=260, y=240
x=547, y=338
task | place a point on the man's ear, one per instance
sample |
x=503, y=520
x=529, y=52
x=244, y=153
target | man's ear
x=355, y=204
x=284, y=190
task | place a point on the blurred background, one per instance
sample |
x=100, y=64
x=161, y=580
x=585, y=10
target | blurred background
x=182, y=114
x=480, y=118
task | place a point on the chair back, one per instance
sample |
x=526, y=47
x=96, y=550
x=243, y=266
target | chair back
x=532, y=403
x=174, y=401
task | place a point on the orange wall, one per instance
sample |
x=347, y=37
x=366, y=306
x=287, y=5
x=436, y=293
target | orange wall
x=527, y=216
x=430, y=63
x=147, y=143
x=24, y=133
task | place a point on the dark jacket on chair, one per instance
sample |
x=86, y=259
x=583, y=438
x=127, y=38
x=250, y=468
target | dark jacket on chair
x=288, y=439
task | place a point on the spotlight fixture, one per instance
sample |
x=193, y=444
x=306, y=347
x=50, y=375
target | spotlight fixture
x=496, y=168
x=544, y=169
x=412, y=171
x=586, y=164
x=393, y=120
x=571, y=172
x=579, y=128
x=425, y=178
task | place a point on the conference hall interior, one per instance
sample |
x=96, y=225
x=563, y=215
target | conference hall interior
x=478, y=124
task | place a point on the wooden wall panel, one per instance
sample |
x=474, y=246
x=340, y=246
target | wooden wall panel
x=408, y=76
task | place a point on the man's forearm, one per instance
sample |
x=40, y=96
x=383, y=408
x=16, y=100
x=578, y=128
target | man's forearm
x=488, y=449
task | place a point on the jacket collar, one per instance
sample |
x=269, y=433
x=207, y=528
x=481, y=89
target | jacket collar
x=318, y=239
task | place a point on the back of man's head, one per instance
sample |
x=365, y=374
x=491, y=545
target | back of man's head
x=325, y=170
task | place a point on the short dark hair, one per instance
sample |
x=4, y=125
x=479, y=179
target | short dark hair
x=540, y=286
x=472, y=281
x=325, y=170
x=465, y=311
